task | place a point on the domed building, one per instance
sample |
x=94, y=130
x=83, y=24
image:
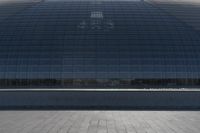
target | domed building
x=99, y=44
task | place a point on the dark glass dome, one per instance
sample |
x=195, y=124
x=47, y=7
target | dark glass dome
x=103, y=44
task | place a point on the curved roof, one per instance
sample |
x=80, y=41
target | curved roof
x=105, y=39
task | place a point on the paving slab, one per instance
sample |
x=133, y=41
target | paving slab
x=68, y=121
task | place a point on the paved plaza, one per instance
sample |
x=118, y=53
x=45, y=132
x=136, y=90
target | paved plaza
x=99, y=121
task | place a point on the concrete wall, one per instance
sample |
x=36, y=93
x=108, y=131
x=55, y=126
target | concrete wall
x=101, y=99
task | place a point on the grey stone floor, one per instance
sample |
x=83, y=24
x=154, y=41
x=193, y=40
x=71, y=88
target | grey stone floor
x=99, y=121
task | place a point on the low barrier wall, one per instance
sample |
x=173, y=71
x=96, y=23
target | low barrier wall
x=100, y=99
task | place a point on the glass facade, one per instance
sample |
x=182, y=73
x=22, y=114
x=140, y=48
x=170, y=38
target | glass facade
x=102, y=44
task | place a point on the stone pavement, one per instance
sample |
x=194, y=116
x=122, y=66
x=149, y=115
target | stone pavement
x=99, y=121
